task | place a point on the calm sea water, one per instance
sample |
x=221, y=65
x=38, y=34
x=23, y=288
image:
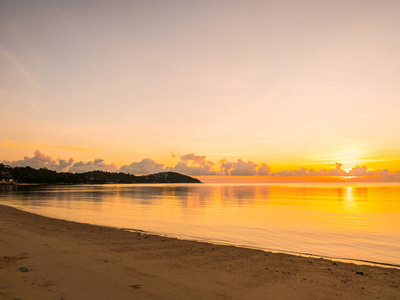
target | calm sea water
x=356, y=221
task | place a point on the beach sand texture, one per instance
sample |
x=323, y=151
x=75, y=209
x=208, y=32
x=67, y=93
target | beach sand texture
x=45, y=258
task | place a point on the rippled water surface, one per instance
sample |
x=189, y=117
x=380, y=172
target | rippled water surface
x=357, y=221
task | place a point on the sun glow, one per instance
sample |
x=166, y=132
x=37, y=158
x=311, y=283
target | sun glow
x=348, y=158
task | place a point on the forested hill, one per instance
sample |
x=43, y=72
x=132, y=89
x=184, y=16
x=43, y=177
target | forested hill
x=45, y=176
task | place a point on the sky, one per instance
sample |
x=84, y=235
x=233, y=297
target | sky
x=272, y=86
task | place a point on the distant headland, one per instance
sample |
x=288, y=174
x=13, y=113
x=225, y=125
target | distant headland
x=13, y=175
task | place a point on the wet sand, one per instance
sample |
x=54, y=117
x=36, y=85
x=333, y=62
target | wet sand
x=46, y=258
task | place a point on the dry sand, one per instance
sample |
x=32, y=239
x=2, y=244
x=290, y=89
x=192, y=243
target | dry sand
x=67, y=260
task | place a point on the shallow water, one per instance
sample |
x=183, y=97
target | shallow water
x=356, y=221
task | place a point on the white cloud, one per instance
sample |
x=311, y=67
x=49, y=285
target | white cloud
x=196, y=165
x=385, y=173
x=338, y=171
x=146, y=166
x=263, y=170
x=39, y=160
x=242, y=168
x=226, y=166
x=96, y=165
x=300, y=172
x=358, y=171
x=313, y=172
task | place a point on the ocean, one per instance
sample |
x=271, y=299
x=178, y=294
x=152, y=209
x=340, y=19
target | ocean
x=354, y=221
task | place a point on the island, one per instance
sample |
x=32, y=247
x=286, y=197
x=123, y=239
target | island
x=13, y=175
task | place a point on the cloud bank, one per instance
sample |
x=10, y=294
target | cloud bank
x=190, y=164
x=338, y=171
x=39, y=160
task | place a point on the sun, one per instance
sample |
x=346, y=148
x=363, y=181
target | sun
x=349, y=158
x=347, y=169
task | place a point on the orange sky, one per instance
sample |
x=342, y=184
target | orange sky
x=291, y=84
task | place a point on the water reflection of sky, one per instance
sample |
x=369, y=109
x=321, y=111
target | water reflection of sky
x=346, y=221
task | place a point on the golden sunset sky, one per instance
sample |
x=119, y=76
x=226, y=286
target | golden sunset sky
x=291, y=84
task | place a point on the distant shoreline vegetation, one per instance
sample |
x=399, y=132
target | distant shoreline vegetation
x=10, y=175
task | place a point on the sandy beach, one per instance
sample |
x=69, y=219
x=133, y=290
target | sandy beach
x=45, y=258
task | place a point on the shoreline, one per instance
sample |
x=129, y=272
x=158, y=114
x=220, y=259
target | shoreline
x=231, y=244
x=227, y=243
x=69, y=260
